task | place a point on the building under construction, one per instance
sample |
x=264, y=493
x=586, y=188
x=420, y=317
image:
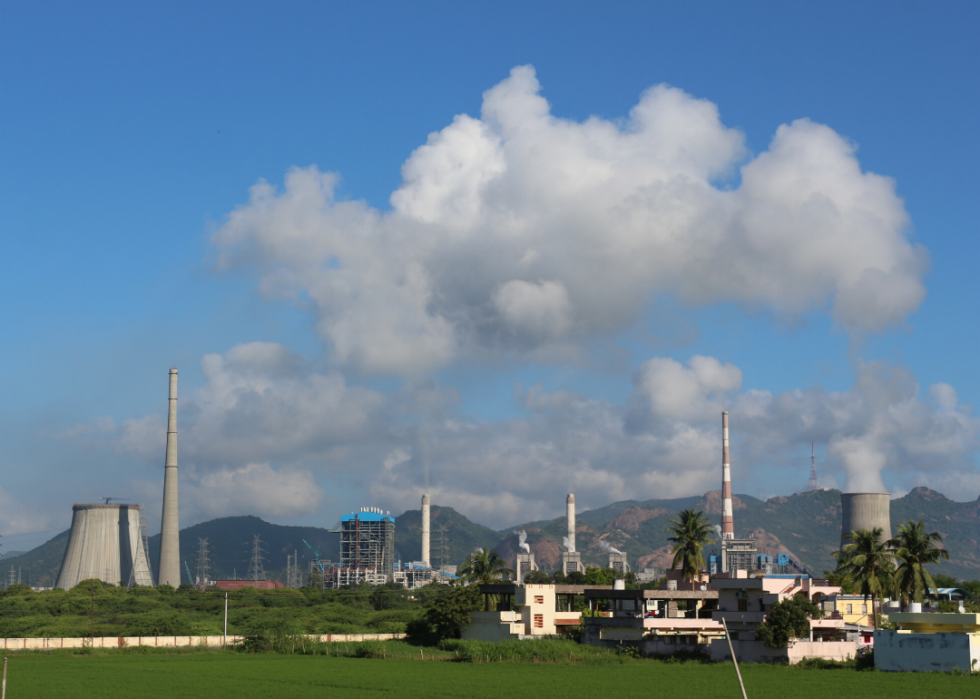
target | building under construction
x=367, y=550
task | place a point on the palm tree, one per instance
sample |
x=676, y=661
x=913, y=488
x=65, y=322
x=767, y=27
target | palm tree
x=485, y=567
x=915, y=549
x=690, y=532
x=867, y=562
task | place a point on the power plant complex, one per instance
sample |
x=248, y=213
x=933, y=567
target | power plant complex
x=108, y=541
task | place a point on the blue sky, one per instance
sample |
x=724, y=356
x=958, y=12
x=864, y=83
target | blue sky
x=131, y=134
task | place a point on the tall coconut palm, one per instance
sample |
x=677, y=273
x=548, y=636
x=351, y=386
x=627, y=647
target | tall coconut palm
x=691, y=531
x=484, y=567
x=916, y=549
x=867, y=562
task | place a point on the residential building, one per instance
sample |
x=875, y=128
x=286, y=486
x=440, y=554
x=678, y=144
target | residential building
x=526, y=611
x=656, y=621
x=745, y=599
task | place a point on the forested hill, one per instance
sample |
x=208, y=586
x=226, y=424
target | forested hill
x=805, y=525
x=453, y=537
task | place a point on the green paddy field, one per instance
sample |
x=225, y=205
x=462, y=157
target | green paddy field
x=218, y=674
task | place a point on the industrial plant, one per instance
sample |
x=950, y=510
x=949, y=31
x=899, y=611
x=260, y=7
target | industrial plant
x=108, y=541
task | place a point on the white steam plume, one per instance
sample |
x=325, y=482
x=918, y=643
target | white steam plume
x=568, y=544
x=522, y=536
x=607, y=547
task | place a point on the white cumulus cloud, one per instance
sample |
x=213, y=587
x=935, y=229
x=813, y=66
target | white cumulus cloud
x=520, y=231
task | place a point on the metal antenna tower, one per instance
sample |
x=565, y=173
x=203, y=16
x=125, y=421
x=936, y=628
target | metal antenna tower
x=813, y=472
x=257, y=570
x=203, y=563
x=441, y=548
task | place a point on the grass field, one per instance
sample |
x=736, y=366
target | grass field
x=241, y=676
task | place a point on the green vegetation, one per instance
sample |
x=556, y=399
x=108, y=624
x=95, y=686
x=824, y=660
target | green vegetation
x=787, y=619
x=217, y=675
x=445, y=615
x=485, y=566
x=690, y=533
x=96, y=609
x=867, y=561
x=916, y=549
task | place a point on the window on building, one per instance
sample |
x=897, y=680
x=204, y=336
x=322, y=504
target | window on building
x=850, y=609
x=539, y=599
x=539, y=621
x=864, y=608
x=762, y=606
x=743, y=605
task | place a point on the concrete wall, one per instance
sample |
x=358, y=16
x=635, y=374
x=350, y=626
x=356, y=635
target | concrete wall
x=492, y=626
x=173, y=641
x=755, y=652
x=927, y=652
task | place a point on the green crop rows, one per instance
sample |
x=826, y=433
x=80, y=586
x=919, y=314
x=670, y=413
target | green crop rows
x=240, y=676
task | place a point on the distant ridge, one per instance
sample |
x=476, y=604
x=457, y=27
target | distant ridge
x=805, y=525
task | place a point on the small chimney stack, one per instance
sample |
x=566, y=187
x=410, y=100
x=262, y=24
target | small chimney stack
x=570, y=514
x=425, y=531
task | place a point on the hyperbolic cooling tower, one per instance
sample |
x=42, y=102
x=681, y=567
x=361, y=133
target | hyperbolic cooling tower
x=105, y=543
x=865, y=511
x=168, y=572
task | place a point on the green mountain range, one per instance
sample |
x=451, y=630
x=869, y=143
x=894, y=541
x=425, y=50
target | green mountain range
x=804, y=525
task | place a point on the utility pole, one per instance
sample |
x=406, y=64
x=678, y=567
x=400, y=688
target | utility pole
x=257, y=570
x=224, y=638
x=93, y=616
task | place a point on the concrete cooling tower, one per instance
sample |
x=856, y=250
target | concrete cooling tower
x=105, y=543
x=865, y=511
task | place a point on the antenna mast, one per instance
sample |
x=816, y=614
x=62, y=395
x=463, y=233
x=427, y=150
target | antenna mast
x=813, y=472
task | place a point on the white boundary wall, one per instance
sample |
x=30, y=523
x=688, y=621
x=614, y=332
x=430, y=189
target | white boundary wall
x=927, y=652
x=175, y=641
x=755, y=652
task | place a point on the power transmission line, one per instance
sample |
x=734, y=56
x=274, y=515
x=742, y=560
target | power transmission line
x=203, y=563
x=441, y=549
x=257, y=570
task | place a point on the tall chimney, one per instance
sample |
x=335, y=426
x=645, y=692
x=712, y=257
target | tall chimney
x=425, y=531
x=168, y=570
x=727, y=520
x=570, y=513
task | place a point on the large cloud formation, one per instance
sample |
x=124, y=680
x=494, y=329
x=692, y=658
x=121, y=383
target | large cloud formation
x=525, y=233
x=664, y=441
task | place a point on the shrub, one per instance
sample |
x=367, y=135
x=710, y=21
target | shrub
x=787, y=619
x=446, y=614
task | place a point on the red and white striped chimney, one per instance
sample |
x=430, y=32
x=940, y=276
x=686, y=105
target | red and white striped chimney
x=727, y=520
